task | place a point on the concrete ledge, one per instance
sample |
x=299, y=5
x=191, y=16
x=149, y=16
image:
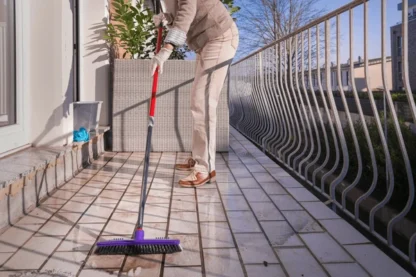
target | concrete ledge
x=30, y=176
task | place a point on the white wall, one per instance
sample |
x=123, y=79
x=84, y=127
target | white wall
x=50, y=85
x=94, y=59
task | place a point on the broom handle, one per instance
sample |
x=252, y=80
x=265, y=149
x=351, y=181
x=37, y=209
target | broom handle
x=143, y=195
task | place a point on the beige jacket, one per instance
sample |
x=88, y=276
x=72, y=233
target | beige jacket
x=195, y=21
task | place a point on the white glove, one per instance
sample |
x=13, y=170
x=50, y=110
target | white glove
x=159, y=18
x=159, y=59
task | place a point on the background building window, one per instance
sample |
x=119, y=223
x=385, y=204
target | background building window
x=399, y=71
x=347, y=73
x=7, y=64
x=399, y=46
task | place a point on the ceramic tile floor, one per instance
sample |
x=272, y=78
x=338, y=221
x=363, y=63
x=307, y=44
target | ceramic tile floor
x=255, y=221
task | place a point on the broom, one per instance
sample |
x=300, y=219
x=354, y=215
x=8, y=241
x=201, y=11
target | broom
x=139, y=245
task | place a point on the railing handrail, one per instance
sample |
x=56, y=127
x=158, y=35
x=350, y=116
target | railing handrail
x=315, y=22
x=348, y=150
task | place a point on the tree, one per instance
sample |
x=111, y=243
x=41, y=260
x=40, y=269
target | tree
x=265, y=21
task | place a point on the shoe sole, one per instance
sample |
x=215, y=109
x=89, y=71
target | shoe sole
x=212, y=180
x=184, y=169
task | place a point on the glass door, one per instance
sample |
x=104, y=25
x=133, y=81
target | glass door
x=14, y=30
x=7, y=64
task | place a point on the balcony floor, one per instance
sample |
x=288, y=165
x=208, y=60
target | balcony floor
x=255, y=221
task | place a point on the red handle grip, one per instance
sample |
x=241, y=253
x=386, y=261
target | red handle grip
x=156, y=75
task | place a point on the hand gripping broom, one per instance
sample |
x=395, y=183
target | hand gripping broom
x=140, y=245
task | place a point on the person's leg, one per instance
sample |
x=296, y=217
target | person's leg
x=215, y=58
x=189, y=164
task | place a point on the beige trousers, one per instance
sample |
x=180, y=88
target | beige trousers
x=212, y=65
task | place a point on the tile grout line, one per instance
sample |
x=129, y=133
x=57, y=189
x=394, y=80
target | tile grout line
x=123, y=263
x=315, y=219
x=105, y=224
x=258, y=222
x=201, y=247
x=297, y=233
x=52, y=215
x=305, y=210
x=163, y=262
x=115, y=207
x=240, y=257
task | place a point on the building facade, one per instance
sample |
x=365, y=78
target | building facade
x=375, y=76
x=51, y=55
x=397, y=49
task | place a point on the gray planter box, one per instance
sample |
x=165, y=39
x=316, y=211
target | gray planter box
x=87, y=114
x=173, y=119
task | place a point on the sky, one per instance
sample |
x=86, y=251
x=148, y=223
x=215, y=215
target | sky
x=393, y=17
x=374, y=24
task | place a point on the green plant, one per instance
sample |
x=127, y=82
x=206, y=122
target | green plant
x=230, y=5
x=399, y=168
x=134, y=32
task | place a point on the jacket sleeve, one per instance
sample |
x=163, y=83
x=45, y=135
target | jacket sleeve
x=184, y=17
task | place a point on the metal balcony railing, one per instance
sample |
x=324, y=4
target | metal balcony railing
x=357, y=151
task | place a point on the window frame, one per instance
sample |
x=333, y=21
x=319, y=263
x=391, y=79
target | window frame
x=347, y=75
x=399, y=44
x=16, y=136
x=400, y=71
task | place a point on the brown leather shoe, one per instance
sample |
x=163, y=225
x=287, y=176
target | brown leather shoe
x=197, y=179
x=188, y=166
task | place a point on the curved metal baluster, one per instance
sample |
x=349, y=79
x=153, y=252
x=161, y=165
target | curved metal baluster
x=318, y=110
x=292, y=99
x=282, y=76
x=239, y=115
x=304, y=119
x=264, y=119
x=246, y=98
x=258, y=121
x=403, y=149
x=376, y=117
x=264, y=101
x=250, y=100
x=282, y=108
x=405, y=60
x=239, y=95
x=275, y=118
x=280, y=105
x=362, y=120
x=312, y=115
x=338, y=123
x=279, y=101
x=412, y=249
x=260, y=102
x=334, y=116
x=233, y=82
x=286, y=94
x=328, y=116
x=350, y=122
x=243, y=98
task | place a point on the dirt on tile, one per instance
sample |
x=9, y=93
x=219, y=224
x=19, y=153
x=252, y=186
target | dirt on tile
x=46, y=273
x=145, y=265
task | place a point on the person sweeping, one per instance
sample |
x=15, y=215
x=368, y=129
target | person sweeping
x=208, y=29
